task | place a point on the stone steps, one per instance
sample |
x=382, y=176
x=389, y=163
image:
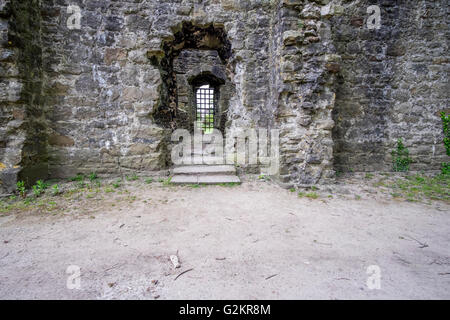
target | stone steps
x=205, y=170
x=204, y=179
x=199, y=160
x=204, y=174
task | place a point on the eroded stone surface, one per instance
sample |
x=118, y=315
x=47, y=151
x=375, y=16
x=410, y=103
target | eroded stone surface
x=106, y=97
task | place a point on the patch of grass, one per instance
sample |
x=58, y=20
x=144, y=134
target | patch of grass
x=80, y=185
x=4, y=207
x=301, y=194
x=194, y=185
x=420, y=187
x=27, y=202
x=312, y=195
x=198, y=185
x=292, y=189
x=148, y=180
x=78, y=177
x=380, y=184
x=24, y=205
x=167, y=182
x=96, y=183
x=134, y=177
x=93, y=176
x=46, y=205
x=117, y=183
x=314, y=188
x=229, y=184
x=357, y=197
x=69, y=193
x=368, y=176
x=55, y=190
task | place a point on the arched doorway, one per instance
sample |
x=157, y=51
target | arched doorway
x=194, y=53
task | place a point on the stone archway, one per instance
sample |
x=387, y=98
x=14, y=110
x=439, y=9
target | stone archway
x=195, y=69
x=191, y=52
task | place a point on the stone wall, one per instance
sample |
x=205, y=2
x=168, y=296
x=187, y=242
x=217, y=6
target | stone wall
x=393, y=83
x=101, y=88
x=104, y=97
x=23, y=148
x=305, y=92
x=106, y=88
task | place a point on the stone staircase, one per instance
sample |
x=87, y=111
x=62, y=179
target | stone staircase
x=204, y=174
x=201, y=173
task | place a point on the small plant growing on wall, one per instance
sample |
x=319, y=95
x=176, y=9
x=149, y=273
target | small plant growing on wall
x=400, y=157
x=445, y=123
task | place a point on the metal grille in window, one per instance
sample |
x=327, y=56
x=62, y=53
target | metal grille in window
x=204, y=98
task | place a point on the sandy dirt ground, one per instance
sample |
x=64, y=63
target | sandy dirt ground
x=253, y=241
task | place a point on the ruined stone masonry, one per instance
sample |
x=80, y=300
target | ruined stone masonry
x=106, y=96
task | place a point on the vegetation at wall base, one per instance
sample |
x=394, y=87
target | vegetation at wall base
x=400, y=157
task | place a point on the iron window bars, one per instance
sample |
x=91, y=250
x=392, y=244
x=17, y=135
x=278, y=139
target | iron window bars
x=205, y=110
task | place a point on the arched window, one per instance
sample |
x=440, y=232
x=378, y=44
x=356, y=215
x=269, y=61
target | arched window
x=205, y=108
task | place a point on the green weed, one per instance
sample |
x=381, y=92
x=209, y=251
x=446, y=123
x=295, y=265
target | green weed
x=21, y=188
x=400, y=157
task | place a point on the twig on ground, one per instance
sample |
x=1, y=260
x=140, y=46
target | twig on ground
x=182, y=273
x=115, y=266
x=323, y=243
x=269, y=277
x=422, y=244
